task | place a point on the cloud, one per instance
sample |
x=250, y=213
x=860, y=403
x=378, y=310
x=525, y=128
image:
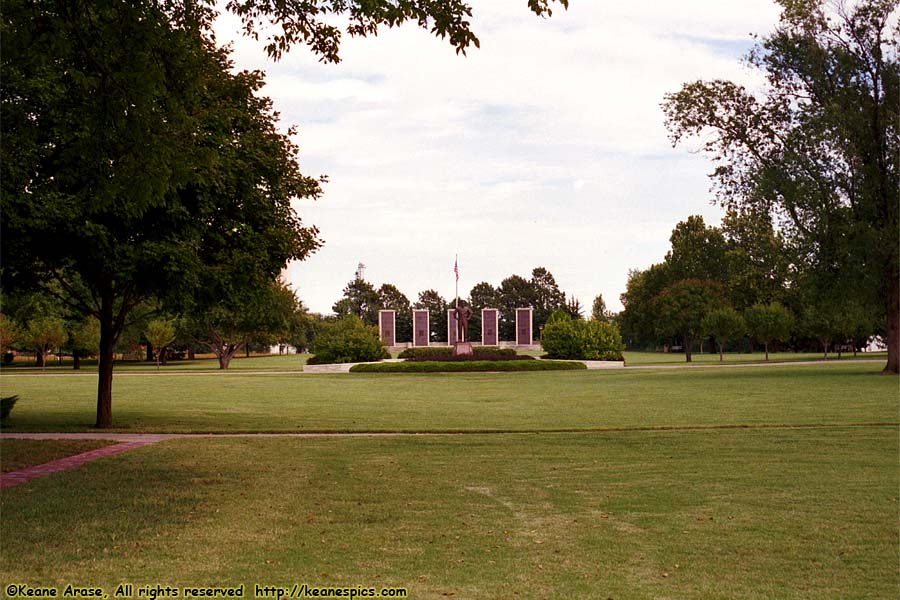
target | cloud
x=546, y=147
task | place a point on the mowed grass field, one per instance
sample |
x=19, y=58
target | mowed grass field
x=850, y=393
x=774, y=482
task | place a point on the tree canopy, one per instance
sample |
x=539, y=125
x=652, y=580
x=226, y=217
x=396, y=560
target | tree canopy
x=819, y=146
x=144, y=167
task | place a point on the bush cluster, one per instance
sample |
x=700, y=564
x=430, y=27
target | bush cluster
x=346, y=340
x=570, y=339
x=444, y=366
x=445, y=353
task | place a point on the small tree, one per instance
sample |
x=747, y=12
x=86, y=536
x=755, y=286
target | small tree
x=84, y=339
x=768, y=323
x=44, y=334
x=9, y=333
x=723, y=324
x=160, y=333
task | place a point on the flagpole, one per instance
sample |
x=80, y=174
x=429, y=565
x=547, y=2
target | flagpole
x=456, y=271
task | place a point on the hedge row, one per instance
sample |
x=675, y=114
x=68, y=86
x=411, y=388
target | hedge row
x=446, y=353
x=467, y=366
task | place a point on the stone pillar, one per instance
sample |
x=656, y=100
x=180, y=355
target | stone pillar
x=489, y=327
x=387, y=326
x=421, y=325
x=524, y=335
x=452, y=327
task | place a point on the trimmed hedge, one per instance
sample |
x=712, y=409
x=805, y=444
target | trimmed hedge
x=445, y=353
x=472, y=366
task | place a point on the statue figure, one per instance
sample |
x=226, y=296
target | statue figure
x=462, y=313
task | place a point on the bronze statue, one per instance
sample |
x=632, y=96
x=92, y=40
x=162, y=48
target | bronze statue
x=462, y=313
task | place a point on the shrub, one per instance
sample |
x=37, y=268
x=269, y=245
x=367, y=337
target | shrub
x=6, y=405
x=441, y=366
x=446, y=353
x=571, y=339
x=345, y=340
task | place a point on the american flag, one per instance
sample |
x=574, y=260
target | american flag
x=456, y=268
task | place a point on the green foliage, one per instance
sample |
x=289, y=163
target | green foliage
x=360, y=299
x=311, y=22
x=391, y=298
x=160, y=333
x=817, y=146
x=10, y=333
x=347, y=340
x=266, y=314
x=577, y=339
x=468, y=366
x=6, y=405
x=45, y=334
x=437, y=310
x=137, y=163
x=768, y=323
x=681, y=307
x=599, y=312
x=446, y=353
x=723, y=324
x=698, y=251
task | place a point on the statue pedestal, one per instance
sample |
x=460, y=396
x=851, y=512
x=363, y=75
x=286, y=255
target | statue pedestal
x=462, y=349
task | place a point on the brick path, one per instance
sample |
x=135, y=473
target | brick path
x=63, y=464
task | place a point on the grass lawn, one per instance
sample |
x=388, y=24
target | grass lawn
x=19, y=454
x=851, y=393
x=286, y=362
x=660, y=358
x=755, y=513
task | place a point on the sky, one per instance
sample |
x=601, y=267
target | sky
x=546, y=147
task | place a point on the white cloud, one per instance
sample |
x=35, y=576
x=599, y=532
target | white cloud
x=546, y=147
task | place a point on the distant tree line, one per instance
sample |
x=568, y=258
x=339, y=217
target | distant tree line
x=540, y=292
x=736, y=287
x=36, y=323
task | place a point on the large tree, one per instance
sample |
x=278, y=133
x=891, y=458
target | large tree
x=135, y=163
x=819, y=145
x=360, y=299
x=391, y=298
x=681, y=308
x=122, y=127
x=698, y=251
x=437, y=312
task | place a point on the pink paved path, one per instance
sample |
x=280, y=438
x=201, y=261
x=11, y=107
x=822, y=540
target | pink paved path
x=63, y=464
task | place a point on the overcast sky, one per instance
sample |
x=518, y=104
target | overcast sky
x=546, y=147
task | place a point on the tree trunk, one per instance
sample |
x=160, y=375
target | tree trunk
x=39, y=358
x=721, y=352
x=107, y=345
x=225, y=352
x=767, y=351
x=76, y=360
x=149, y=352
x=688, y=343
x=893, y=329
